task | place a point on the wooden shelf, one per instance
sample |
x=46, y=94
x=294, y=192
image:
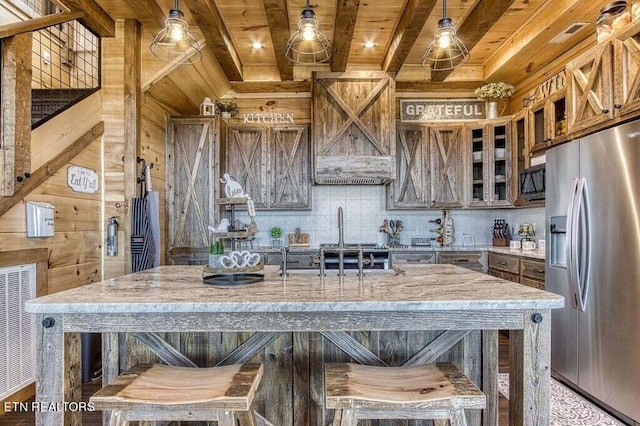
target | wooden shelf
x=229, y=201
x=233, y=234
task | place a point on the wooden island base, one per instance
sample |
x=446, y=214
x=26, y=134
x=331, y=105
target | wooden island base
x=294, y=325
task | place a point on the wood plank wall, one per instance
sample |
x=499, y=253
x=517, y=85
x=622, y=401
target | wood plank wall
x=113, y=116
x=75, y=250
x=151, y=138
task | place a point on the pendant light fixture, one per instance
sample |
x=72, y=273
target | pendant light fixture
x=174, y=43
x=308, y=45
x=446, y=51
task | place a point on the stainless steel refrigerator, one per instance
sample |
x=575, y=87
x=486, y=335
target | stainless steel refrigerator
x=593, y=260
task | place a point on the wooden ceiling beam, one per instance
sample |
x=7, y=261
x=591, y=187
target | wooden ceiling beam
x=94, y=17
x=271, y=86
x=278, y=20
x=413, y=18
x=479, y=21
x=36, y=24
x=150, y=14
x=437, y=87
x=524, y=45
x=209, y=19
x=345, y=24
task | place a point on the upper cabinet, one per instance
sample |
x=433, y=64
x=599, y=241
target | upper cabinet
x=354, y=127
x=548, y=121
x=289, y=166
x=246, y=153
x=410, y=188
x=627, y=72
x=272, y=164
x=604, y=83
x=447, y=152
x=590, y=88
x=490, y=155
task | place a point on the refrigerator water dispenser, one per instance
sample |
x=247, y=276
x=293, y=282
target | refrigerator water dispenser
x=558, y=241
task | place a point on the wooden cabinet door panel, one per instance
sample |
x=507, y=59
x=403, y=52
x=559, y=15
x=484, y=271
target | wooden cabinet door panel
x=411, y=187
x=504, y=275
x=533, y=269
x=627, y=75
x=504, y=262
x=532, y=283
x=289, y=168
x=192, y=182
x=590, y=88
x=247, y=161
x=447, y=152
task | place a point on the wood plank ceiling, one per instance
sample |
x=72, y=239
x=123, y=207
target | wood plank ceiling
x=508, y=39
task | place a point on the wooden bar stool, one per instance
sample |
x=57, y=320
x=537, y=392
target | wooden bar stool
x=431, y=391
x=150, y=392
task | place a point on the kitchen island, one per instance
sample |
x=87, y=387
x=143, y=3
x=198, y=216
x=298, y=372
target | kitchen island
x=466, y=309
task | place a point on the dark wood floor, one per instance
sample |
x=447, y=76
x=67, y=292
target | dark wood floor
x=95, y=418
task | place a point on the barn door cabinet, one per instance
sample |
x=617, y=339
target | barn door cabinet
x=590, y=88
x=354, y=127
x=604, y=83
x=489, y=152
x=193, y=165
x=448, y=163
x=411, y=187
x=272, y=164
x=627, y=72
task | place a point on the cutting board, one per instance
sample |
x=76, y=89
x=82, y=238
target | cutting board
x=298, y=240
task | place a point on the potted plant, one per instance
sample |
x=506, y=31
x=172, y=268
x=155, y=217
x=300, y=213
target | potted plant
x=226, y=109
x=492, y=93
x=276, y=233
x=215, y=251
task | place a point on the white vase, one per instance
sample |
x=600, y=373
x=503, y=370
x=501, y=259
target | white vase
x=492, y=109
x=225, y=114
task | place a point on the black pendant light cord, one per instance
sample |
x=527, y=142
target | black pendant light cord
x=444, y=9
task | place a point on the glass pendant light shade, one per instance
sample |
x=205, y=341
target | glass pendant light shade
x=446, y=51
x=174, y=43
x=308, y=45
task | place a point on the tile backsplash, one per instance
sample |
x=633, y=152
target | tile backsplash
x=364, y=211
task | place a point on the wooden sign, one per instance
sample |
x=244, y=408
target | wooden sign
x=548, y=87
x=81, y=179
x=268, y=118
x=428, y=111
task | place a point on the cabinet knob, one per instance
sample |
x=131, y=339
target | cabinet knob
x=617, y=106
x=605, y=110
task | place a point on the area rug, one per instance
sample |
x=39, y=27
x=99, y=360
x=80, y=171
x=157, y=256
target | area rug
x=567, y=407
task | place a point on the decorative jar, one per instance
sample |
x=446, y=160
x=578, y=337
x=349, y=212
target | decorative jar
x=613, y=17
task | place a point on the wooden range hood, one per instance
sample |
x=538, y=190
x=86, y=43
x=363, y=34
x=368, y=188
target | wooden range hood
x=353, y=128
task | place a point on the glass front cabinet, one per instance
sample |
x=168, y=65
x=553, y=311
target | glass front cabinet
x=490, y=156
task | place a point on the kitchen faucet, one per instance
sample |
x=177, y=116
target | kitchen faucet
x=340, y=228
x=340, y=242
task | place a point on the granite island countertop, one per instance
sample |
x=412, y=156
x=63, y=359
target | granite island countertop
x=169, y=289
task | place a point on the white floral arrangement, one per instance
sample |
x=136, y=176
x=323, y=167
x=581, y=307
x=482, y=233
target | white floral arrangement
x=494, y=91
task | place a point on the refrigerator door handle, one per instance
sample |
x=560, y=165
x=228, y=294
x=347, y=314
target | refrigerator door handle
x=582, y=244
x=572, y=245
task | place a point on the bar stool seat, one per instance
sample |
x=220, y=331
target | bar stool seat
x=431, y=391
x=149, y=392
